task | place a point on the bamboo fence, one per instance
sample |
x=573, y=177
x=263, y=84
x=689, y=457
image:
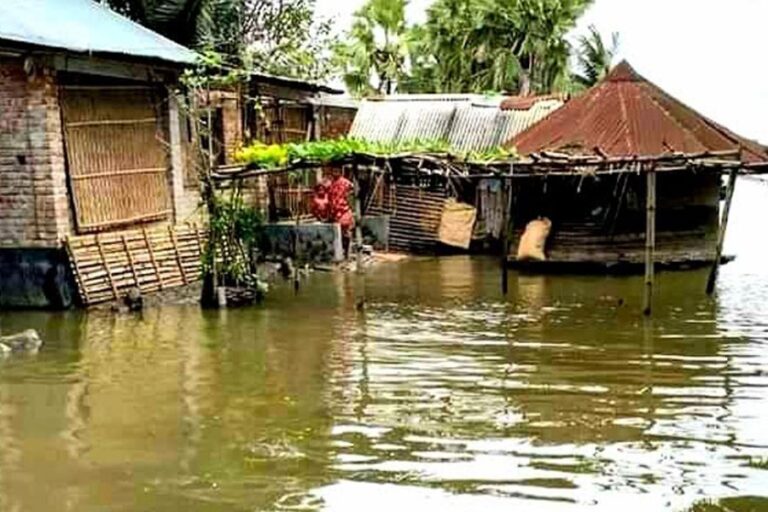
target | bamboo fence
x=106, y=266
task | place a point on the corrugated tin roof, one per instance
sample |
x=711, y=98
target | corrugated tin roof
x=467, y=122
x=626, y=115
x=84, y=26
x=526, y=102
x=258, y=78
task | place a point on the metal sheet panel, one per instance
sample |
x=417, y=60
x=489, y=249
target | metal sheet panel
x=467, y=122
x=474, y=128
x=426, y=121
x=377, y=121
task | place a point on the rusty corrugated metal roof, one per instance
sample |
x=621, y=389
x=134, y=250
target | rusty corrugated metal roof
x=467, y=122
x=526, y=102
x=626, y=115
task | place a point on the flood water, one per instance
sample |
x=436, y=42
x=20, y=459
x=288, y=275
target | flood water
x=439, y=395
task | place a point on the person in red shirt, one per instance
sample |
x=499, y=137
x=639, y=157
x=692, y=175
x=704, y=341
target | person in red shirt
x=331, y=204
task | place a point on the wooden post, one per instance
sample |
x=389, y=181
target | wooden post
x=358, y=226
x=106, y=267
x=128, y=255
x=650, y=240
x=712, y=281
x=152, y=259
x=506, y=197
x=78, y=273
x=179, y=260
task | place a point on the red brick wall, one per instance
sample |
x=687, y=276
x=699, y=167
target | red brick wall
x=34, y=209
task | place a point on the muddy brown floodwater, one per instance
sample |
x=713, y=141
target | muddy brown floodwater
x=440, y=395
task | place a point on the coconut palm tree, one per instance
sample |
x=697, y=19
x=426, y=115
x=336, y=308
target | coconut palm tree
x=376, y=56
x=501, y=45
x=595, y=58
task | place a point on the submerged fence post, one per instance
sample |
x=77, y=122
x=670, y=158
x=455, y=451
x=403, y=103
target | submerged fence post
x=712, y=281
x=650, y=239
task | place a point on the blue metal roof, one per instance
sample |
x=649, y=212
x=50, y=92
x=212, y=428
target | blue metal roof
x=84, y=26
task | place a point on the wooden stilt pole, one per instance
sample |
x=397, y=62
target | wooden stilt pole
x=650, y=240
x=358, y=226
x=712, y=281
x=506, y=194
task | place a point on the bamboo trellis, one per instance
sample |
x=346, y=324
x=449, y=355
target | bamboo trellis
x=106, y=266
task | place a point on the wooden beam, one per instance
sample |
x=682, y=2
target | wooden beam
x=712, y=281
x=506, y=190
x=106, y=266
x=177, y=160
x=123, y=69
x=358, y=226
x=131, y=262
x=650, y=240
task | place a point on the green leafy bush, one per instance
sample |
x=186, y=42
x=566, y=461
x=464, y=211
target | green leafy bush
x=276, y=156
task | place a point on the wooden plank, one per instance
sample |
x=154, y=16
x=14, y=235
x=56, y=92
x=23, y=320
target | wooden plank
x=131, y=262
x=505, y=229
x=130, y=220
x=172, y=234
x=713, y=273
x=110, y=122
x=125, y=172
x=151, y=252
x=107, y=268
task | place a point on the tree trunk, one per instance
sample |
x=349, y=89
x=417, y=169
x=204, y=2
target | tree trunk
x=525, y=82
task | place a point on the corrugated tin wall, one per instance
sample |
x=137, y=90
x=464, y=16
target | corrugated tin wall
x=414, y=220
x=463, y=121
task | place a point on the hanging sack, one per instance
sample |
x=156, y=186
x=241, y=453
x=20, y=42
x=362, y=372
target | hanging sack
x=534, y=239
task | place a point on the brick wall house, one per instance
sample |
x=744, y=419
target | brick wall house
x=90, y=139
x=34, y=209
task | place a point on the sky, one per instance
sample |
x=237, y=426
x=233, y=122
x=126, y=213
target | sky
x=711, y=54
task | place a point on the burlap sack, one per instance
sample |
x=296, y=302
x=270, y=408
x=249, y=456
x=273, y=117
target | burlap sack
x=534, y=240
x=456, y=224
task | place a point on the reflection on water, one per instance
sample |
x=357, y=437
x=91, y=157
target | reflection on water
x=441, y=394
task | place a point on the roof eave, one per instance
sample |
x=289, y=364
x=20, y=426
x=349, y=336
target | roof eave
x=28, y=46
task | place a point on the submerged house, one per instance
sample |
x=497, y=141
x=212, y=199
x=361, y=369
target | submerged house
x=600, y=219
x=468, y=122
x=90, y=138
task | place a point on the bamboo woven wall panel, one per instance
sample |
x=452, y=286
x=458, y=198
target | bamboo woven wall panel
x=106, y=266
x=414, y=218
x=117, y=156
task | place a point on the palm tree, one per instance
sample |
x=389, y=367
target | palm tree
x=501, y=45
x=378, y=48
x=595, y=59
